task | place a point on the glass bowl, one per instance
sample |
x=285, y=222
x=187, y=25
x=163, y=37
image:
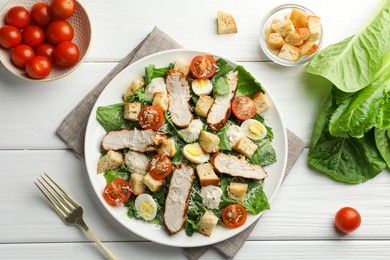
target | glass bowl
x=280, y=12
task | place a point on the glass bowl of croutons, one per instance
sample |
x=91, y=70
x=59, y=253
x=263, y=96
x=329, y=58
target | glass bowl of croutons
x=291, y=34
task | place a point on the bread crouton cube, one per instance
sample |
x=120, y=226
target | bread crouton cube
x=226, y=23
x=207, y=175
x=207, y=223
x=131, y=111
x=299, y=18
x=293, y=39
x=152, y=183
x=209, y=142
x=260, y=102
x=245, y=147
x=289, y=52
x=112, y=160
x=203, y=105
x=134, y=86
x=314, y=25
x=308, y=48
x=283, y=27
x=160, y=100
x=169, y=148
x=275, y=41
x=137, y=183
x=237, y=191
x=182, y=66
x=303, y=33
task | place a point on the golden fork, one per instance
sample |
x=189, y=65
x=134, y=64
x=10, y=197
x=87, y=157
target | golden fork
x=68, y=209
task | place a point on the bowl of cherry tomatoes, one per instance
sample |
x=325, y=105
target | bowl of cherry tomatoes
x=43, y=40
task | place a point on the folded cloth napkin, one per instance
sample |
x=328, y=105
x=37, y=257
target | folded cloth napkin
x=72, y=129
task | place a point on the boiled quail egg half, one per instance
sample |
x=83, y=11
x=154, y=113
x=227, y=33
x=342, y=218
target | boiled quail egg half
x=202, y=86
x=146, y=206
x=253, y=129
x=194, y=153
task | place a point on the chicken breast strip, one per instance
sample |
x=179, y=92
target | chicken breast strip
x=179, y=96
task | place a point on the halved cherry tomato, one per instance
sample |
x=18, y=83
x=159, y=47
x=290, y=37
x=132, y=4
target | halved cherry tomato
x=151, y=117
x=10, y=36
x=33, y=36
x=203, y=67
x=40, y=14
x=18, y=16
x=66, y=54
x=46, y=50
x=160, y=166
x=21, y=55
x=38, y=67
x=234, y=215
x=243, y=108
x=62, y=9
x=347, y=219
x=59, y=31
x=117, y=192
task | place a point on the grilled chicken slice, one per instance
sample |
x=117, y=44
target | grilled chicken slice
x=135, y=140
x=220, y=110
x=179, y=96
x=236, y=167
x=176, y=203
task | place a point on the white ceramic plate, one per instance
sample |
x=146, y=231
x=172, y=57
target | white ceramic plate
x=94, y=134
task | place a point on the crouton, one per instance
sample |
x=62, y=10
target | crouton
x=207, y=175
x=182, y=66
x=289, y=52
x=131, y=111
x=237, y=191
x=314, y=25
x=160, y=100
x=207, y=223
x=135, y=85
x=209, y=142
x=299, y=18
x=282, y=27
x=245, y=147
x=169, y=148
x=203, y=105
x=275, y=41
x=226, y=23
x=308, y=48
x=260, y=102
x=137, y=184
x=298, y=37
x=152, y=183
x=112, y=160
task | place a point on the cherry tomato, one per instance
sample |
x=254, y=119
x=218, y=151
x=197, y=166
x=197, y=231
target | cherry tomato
x=243, y=108
x=59, y=31
x=38, y=67
x=151, y=117
x=160, y=166
x=66, y=54
x=33, y=36
x=47, y=51
x=62, y=9
x=234, y=215
x=18, y=16
x=10, y=36
x=40, y=14
x=117, y=192
x=347, y=219
x=21, y=55
x=203, y=67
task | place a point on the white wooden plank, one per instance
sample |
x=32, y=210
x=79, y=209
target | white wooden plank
x=266, y=250
x=303, y=209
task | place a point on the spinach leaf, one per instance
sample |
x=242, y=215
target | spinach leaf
x=152, y=72
x=353, y=63
x=247, y=85
x=382, y=140
x=221, y=87
x=111, y=117
x=111, y=175
x=264, y=154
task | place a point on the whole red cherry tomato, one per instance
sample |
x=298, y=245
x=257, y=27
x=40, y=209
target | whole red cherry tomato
x=59, y=31
x=10, y=36
x=347, y=219
x=47, y=51
x=18, y=16
x=62, y=9
x=21, y=55
x=33, y=36
x=38, y=67
x=66, y=54
x=40, y=14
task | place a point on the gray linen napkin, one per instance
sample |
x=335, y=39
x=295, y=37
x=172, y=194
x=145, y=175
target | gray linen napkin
x=72, y=130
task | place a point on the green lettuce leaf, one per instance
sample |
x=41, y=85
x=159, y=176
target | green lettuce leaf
x=111, y=175
x=152, y=72
x=382, y=140
x=224, y=144
x=264, y=154
x=247, y=85
x=111, y=118
x=221, y=87
x=223, y=69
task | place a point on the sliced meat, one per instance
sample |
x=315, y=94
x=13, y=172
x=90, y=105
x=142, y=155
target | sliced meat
x=234, y=166
x=135, y=140
x=176, y=203
x=220, y=110
x=179, y=96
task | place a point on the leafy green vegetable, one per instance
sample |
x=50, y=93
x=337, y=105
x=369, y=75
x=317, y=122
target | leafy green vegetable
x=247, y=85
x=111, y=175
x=140, y=96
x=152, y=72
x=172, y=126
x=111, y=117
x=195, y=209
x=224, y=144
x=221, y=87
x=382, y=140
x=264, y=154
x=353, y=63
x=223, y=68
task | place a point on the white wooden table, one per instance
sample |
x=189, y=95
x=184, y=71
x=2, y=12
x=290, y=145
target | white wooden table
x=300, y=222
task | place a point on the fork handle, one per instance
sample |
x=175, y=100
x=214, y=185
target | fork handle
x=104, y=249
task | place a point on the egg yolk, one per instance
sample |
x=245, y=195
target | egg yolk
x=256, y=129
x=194, y=150
x=145, y=209
x=201, y=83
